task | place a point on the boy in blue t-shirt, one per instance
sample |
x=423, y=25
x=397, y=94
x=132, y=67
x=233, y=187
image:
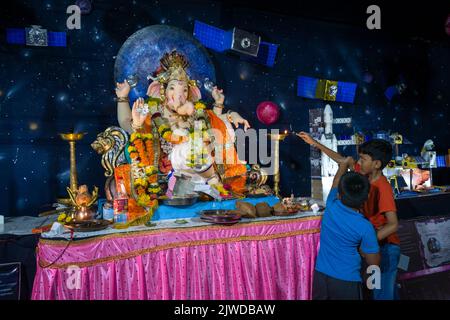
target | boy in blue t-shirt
x=345, y=235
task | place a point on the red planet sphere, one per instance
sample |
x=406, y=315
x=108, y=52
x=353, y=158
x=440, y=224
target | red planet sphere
x=267, y=112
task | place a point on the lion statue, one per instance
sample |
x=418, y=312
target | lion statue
x=110, y=144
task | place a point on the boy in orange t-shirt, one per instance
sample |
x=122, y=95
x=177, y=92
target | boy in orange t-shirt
x=379, y=208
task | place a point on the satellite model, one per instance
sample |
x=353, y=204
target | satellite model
x=248, y=45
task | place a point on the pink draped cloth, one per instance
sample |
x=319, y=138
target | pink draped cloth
x=259, y=260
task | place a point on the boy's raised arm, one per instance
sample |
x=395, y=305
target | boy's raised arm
x=316, y=144
x=343, y=168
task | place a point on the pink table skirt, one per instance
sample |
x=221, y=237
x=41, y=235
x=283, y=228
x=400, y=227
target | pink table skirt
x=259, y=260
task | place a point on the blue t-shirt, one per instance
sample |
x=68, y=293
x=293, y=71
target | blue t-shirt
x=343, y=231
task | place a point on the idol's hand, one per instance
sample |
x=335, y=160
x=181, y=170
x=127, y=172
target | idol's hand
x=236, y=119
x=122, y=89
x=218, y=96
x=136, y=113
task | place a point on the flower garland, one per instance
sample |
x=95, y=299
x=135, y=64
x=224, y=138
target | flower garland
x=144, y=173
x=199, y=105
x=165, y=132
x=198, y=155
x=141, y=145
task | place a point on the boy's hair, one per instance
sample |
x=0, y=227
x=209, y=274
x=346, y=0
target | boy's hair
x=377, y=149
x=353, y=189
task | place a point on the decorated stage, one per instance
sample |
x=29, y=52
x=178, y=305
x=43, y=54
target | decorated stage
x=262, y=258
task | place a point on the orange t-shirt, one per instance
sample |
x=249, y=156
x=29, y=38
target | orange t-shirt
x=381, y=200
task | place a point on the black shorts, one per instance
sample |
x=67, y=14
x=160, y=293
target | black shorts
x=329, y=288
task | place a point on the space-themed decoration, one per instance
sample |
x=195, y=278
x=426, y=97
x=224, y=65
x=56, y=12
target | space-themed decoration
x=328, y=138
x=428, y=154
x=47, y=90
x=442, y=161
x=394, y=90
x=328, y=90
x=36, y=36
x=249, y=45
x=137, y=57
x=382, y=135
x=398, y=88
x=396, y=138
x=237, y=40
x=212, y=37
x=245, y=42
x=266, y=54
x=268, y=112
x=206, y=139
x=84, y=5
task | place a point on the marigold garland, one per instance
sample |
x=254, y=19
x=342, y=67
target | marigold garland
x=199, y=105
x=145, y=175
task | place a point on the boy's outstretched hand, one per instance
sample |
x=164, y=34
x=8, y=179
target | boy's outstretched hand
x=307, y=138
x=316, y=144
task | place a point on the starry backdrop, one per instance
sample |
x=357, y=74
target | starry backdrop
x=48, y=90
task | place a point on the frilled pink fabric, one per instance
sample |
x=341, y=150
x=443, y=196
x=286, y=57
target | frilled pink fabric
x=259, y=260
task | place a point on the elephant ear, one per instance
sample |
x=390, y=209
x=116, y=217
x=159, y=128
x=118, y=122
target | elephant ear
x=154, y=90
x=194, y=93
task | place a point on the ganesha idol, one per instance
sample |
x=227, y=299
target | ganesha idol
x=173, y=133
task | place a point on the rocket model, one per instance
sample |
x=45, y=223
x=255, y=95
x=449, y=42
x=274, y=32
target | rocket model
x=328, y=139
x=329, y=167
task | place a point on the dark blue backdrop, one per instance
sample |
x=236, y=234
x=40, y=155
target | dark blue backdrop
x=44, y=91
